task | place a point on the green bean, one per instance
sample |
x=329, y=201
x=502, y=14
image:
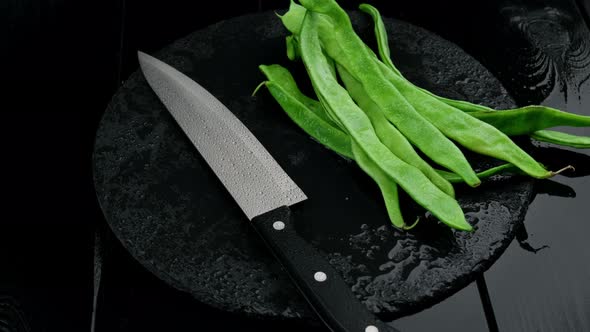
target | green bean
x=454, y=178
x=292, y=48
x=343, y=45
x=359, y=127
x=528, y=119
x=293, y=18
x=282, y=77
x=389, y=135
x=385, y=55
x=304, y=111
x=468, y=131
x=387, y=186
x=381, y=34
x=328, y=110
x=556, y=137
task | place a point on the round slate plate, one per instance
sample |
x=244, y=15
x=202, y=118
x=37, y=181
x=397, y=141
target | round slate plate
x=174, y=216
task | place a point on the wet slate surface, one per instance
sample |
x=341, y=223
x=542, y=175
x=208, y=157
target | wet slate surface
x=174, y=217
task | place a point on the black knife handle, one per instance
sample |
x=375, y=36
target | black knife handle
x=321, y=285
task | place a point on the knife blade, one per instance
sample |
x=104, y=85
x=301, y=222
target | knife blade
x=262, y=189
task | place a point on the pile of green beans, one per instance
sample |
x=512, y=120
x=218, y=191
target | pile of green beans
x=367, y=111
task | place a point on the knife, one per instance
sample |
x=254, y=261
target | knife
x=263, y=191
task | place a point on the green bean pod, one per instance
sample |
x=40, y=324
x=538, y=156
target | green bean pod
x=281, y=76
x=343, y=45
x=385, y=56
x=454, y=178
x=556, y=137
x=304, y=111
x=292, y=48
x=381, y=34
x=293, y=18
x=470, y=132
x=389, y=135
x=528, y=119
x=360, y=129
x=388, y=187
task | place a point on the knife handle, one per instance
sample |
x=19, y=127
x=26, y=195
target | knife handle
x=321, y=285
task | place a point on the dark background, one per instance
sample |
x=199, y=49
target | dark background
x=61, y=60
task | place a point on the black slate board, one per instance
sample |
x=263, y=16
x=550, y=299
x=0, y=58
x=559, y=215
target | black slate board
x=173, y=215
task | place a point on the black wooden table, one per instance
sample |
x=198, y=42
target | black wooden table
x=61, y=269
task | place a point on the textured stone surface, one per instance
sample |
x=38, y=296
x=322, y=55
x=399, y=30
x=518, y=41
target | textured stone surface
x=173, y=215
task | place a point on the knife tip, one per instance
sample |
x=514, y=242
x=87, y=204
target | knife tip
x=141, y=56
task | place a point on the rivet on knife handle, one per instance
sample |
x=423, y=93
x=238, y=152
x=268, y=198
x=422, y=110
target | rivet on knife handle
x=321, y=285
